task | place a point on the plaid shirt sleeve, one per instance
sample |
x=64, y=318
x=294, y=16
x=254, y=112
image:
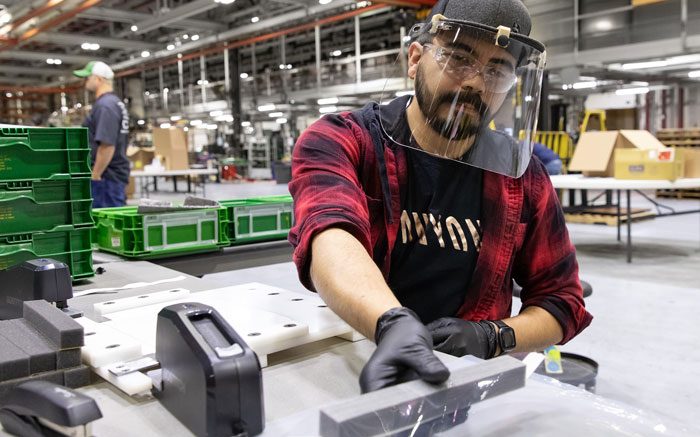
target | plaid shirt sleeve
x=325, y=187
x=546, y=265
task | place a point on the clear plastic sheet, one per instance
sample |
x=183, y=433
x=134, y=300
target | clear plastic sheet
x=544, y=407
x=417, y=408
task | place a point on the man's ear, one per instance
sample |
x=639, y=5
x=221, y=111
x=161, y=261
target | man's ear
x=415, y=51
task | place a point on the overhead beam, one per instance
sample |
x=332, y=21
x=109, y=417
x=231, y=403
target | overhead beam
x=622, y=53
x=30, y=88
x=239, y=32
x=131, y=17
x=33, y=71
x=54, y=22
x=174, y=15
x=14, y=80
x=43, y=56
x=74, y=39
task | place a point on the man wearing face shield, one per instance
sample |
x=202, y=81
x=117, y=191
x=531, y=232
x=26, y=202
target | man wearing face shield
x=414, y=215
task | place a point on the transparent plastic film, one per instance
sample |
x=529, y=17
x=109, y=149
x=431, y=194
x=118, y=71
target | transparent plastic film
x=417, y=408
x=476, y=97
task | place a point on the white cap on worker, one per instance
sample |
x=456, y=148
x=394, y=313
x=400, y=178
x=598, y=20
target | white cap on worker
x=98, y=68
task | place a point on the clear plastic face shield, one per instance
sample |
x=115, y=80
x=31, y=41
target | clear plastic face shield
x=476, y=99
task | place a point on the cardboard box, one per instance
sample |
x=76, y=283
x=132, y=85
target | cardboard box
x=691, y=155
x=661, y=164
x=131, y=188
x=594, y=154
x=171, y=145
x=140, y=156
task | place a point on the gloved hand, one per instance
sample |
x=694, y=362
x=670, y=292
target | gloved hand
x=404, y=352
x=460, y=337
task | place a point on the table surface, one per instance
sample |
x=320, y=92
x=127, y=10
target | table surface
x=301, y=380
x=580, y=182
x=191, y=172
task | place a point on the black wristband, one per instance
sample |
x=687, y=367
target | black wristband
x=490, y=331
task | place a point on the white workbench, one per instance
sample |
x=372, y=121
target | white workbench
x=188, y=173
x=580, y=182
x=299, y=381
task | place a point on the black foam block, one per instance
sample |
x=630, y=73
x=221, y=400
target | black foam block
x=14, y=362
x=42, y=354
x=68, y=358
x=77, y=377
x=55, y=376
x=54, y=324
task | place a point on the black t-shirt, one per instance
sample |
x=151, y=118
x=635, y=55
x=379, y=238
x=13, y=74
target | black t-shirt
x=439, y=239
x=108, y=122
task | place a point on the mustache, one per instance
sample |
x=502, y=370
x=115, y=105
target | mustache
x=463, y=98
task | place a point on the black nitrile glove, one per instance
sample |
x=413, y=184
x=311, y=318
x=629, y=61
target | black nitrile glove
x=404, y=352
x=460, y=337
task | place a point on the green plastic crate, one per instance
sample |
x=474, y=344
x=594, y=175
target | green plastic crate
x=38, y=153
x=259, y=219
x=42, y=205
x=282, y=198
x=72, y=247
x=159, y=235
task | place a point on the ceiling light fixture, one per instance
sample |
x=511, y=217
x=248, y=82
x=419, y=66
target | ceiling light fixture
x=644, y=65
x=604, y=25
x=255, y=19
x=584, y=85
x=328, y=101
x=632, y=91
x=327, y=109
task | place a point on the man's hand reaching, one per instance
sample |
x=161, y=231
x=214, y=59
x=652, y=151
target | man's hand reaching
x=460, y=337
x=404, y=352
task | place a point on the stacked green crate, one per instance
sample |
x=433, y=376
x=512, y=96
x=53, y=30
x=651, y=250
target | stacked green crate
x=127, y=232
x=45, y=198
x=259, y=219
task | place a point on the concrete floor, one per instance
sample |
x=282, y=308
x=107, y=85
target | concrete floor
x=646, y=326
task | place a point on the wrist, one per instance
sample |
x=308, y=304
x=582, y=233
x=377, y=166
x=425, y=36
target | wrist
x=389, y=317
x=491, y=331
x=505, y=337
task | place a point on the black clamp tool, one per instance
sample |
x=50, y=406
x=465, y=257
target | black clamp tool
x=44, y=409
x=209, y=378
x=37, y=279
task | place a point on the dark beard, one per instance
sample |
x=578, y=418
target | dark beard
x=459, y=126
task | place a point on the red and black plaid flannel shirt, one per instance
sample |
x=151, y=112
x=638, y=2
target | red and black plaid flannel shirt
x=340, y=180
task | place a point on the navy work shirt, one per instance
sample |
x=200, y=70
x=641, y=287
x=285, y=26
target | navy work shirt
x=108, y=123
